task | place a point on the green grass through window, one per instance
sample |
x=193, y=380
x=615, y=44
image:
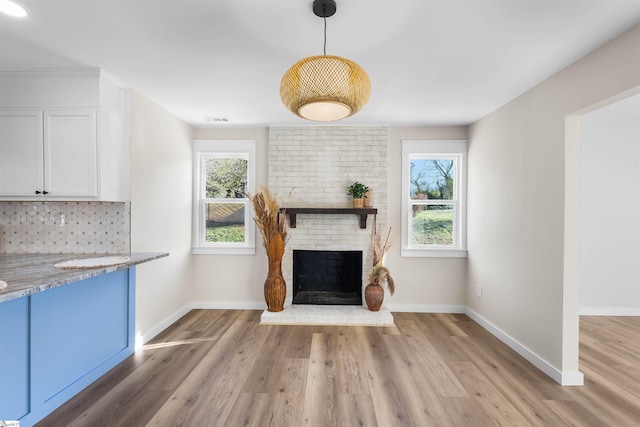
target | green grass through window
x=433, y=227
x=230, y=233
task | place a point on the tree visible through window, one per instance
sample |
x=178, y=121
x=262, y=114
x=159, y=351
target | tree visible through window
x=225, y=179
x=431, y=183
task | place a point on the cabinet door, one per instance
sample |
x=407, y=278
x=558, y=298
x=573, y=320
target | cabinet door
x=70, y=153
x=21, y=153
x=14, y=359
x=77, y=330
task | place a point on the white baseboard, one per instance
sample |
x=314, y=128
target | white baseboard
x=229, y=305
x=426, y=308
x=151, y=333
x=260, y=305
x=563, y=378
x=609, y=311
x=572, y=379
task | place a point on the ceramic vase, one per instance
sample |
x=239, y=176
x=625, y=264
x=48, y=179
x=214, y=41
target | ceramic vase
x=368, y=199
x=374, y=295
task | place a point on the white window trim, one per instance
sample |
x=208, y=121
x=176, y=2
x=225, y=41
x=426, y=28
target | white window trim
x=223, y=148
x=436, y=148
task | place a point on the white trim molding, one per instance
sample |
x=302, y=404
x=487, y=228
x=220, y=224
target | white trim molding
x=562, y=378
x=609, y=311
x=143, y=338
x=456, y=151
x=207, y=149
x=229, y=305
x=427, y=308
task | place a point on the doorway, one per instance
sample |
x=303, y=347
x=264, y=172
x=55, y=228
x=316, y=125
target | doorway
x=572, y=233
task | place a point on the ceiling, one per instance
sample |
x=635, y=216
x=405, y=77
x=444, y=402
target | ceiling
x=430, y=62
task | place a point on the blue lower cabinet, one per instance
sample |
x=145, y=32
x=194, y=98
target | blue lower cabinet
x=14, y=359
x=77, y=333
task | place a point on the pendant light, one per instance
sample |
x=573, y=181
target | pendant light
x=13, y=9
x=324, y=88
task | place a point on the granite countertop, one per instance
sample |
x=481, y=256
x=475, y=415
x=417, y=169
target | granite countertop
x=26, y=274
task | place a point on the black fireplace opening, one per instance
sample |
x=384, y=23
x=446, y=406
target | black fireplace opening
x=327, y=277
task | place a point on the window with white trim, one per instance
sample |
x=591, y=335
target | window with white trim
x=223, y=175
x=434, y=177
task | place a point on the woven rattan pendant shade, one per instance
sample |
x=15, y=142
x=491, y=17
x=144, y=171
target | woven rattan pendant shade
x=325, y=88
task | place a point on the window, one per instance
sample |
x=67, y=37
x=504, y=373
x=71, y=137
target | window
x=433, y=198
x=223, y=174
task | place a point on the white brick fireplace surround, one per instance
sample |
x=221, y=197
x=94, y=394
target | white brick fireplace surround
x=312, y=167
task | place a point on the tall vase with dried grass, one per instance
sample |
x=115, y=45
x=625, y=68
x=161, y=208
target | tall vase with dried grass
x=379, y=275
x=274, y=236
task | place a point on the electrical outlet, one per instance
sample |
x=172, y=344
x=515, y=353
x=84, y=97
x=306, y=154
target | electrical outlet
x=479, y=291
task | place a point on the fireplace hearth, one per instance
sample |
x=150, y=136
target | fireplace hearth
x=327, y=277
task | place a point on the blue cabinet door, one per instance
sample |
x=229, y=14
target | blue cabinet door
x=77, y=331
x=14, y=359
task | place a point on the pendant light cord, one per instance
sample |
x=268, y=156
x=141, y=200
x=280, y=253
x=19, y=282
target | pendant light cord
x=325, y=35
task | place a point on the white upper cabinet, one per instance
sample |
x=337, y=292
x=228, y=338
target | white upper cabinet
x=57, y=149
x=70, y=154
x=21, y=153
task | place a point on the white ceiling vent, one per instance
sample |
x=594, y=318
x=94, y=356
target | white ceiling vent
x=216, y=119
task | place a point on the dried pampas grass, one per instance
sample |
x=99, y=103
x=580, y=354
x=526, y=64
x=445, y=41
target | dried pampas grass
x=379, y=247
x=379, y=273
x=271, y=225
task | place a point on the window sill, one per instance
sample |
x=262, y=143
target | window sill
x=223, y=251
x=433, y=253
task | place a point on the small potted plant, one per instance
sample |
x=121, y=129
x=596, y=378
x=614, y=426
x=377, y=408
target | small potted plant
x=358, y=191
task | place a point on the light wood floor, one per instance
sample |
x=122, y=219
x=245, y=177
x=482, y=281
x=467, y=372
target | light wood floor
x=221, y=368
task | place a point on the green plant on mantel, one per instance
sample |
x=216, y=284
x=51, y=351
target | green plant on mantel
x=357, y=190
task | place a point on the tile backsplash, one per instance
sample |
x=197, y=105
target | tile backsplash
x=65, y=227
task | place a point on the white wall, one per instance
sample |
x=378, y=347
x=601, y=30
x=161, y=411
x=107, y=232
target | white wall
x=422, y=284
x=610, y=210
x=234, y=281
x=160, y=214
x=516, y=216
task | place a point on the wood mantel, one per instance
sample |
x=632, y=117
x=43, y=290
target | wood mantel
x=361, y=212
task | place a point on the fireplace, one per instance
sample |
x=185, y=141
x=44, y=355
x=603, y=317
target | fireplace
x=327, y=277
